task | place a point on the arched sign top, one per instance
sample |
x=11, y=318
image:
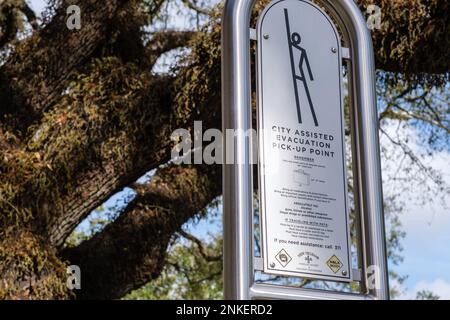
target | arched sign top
x=312, y=11
x=296, y=37
x=303, y=185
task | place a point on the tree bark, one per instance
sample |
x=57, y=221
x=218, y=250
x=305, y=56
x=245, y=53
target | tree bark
x=34, y=77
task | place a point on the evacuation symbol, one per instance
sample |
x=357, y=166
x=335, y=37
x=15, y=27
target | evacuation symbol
x=283, y=258
x=334, y=264
x=294, y=40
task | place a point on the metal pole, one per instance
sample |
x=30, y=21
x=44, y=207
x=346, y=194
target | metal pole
x=237, y=177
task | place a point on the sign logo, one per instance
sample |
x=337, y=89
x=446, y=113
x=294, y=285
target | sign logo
x=308, y=258
x=283, y=258
x=334, y=264
x=294, y=40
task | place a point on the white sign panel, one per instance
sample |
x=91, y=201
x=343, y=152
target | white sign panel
x=303, y=190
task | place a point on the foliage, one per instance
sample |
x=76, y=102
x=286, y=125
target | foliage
x=426, y=295
x=187, y=275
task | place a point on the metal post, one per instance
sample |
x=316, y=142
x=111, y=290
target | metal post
x=237, y=177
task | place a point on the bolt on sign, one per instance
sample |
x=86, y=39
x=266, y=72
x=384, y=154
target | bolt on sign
x=303, y=185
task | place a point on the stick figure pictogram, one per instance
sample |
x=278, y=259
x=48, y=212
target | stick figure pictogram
x=294, y=40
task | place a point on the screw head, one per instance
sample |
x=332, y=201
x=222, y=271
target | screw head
x=344, y=273
x=333, y=49
x=266, y=36
x=272, y=265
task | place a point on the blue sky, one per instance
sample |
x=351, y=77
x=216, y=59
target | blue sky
x=37, y=5
x=427, y=250
x=427, y=243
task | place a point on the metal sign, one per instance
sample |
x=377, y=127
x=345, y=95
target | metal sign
x=303, y=185
x=296, y=67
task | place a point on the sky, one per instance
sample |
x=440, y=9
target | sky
x=37, y=5
x=427, y=243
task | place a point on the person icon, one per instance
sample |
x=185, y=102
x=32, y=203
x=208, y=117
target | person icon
x=294, y=43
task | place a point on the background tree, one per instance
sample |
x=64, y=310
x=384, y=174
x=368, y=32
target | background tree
x=84, y=113
x=426, y=295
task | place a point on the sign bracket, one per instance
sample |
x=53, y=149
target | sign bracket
x=253, y=34
x=258, y=264
x=346, y=53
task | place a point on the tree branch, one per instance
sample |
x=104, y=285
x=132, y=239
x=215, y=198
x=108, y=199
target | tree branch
x=413, y=37
x=165, y=41
x=193, y=6
x=203, y=252
x=414, y=159
x=8, y=25
x=130, y=251
x=32, y=79
x=125, y=139
x=413, y=115
x=29, y=14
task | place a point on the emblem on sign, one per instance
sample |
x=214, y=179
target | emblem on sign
x=283, y=258
x=303, y=200
x=334, y=264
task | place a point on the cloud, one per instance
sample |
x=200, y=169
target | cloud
x=439, y=287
